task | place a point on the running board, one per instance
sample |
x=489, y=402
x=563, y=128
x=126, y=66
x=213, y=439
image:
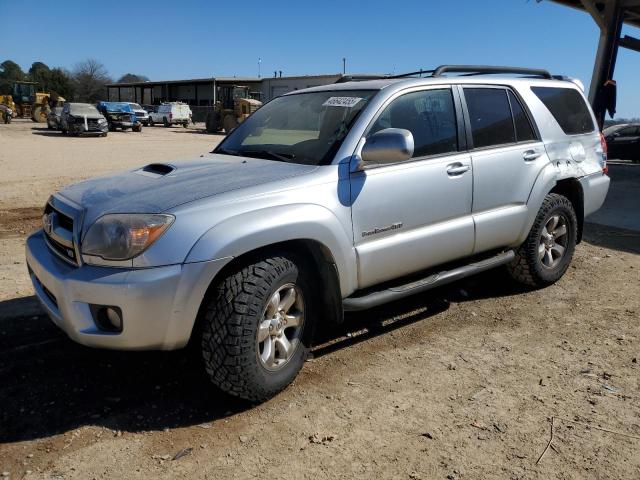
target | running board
x=391, y=294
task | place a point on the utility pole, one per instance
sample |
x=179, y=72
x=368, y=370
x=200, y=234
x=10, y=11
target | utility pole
x=259, y=62
x=344, y=65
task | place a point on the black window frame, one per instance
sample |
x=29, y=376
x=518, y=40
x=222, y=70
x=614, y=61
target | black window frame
x=523, y=105
x=459, y=120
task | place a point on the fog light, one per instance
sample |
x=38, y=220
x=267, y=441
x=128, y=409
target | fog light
x=114, y=319
x=107, y=318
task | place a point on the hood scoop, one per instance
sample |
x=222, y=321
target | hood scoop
x=156, y=170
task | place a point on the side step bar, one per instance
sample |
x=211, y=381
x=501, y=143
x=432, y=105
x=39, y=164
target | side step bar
x=391, y=294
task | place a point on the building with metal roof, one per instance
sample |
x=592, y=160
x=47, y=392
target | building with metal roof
x=609, y=16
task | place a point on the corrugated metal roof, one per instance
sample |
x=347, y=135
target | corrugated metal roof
x=632, y=7
x=151, y=83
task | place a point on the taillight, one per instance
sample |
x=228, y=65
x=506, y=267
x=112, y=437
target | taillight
x=171, y=118
x=603, y=144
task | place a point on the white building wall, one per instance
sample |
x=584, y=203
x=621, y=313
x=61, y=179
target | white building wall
x=274, y=87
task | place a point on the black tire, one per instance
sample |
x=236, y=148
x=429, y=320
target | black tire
x=185, y=124
x=111, y=127
x=151, y=124
x=528, y=267
x=165, y=122
x=230, y=321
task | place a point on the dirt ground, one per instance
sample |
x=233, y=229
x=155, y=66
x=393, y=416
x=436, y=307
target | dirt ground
x=469, y=381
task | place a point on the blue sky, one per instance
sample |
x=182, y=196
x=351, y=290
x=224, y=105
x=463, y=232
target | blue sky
x=188, y=39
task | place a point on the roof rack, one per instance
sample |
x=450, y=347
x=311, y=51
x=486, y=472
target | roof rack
x=485, y=69
x=466, y=70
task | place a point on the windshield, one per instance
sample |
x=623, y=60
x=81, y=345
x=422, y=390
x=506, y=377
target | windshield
x=306, y=128
x=82, y=109
x=135, y=106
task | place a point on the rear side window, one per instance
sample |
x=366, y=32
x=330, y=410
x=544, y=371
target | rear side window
x=490, y=116
x=568, y=108
x=524, y=132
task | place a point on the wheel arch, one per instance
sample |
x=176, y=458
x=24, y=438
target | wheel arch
x=546, y=183
x=314, y=256
x=571, y=188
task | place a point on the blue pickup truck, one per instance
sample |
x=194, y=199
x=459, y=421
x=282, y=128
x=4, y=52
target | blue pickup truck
x=120, y=115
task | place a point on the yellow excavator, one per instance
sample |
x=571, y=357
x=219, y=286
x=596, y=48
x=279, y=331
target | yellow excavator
x=29, y=103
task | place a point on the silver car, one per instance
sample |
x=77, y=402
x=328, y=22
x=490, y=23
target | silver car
x=326, y=200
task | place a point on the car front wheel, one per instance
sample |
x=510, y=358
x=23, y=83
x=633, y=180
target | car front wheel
x=545, y=255
x=257, y=328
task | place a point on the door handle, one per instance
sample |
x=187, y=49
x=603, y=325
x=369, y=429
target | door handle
x=457, y=169
x=531, y=155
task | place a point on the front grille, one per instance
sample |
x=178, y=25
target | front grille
x=65, y=252
x=59, y=232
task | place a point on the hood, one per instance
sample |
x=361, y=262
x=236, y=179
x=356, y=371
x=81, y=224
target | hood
x=159, y=187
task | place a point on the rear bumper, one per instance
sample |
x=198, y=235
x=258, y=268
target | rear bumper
x=159, y=305
x=595, y=188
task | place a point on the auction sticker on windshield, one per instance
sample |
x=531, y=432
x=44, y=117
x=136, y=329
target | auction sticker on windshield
x=346, y=102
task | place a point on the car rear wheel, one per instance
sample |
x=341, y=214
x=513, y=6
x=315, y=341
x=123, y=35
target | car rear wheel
x=545, y=255
x=257, y=328
x=151, y=124
x=165, y=122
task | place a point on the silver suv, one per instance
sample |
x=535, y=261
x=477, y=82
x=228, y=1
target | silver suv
x=329, y=199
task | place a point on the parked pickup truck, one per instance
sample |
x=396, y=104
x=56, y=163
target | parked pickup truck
x=171, y=113
x=119, y=115
x=329, y=199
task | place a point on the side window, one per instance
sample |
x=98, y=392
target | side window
x=490, y=116
x=524, y=132
x=628, y=132
x=429, y=115
x=568, y=108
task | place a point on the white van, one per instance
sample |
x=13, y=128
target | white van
x=171, y=113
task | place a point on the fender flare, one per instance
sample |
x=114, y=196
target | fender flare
x=545, y=182
x=249, y=231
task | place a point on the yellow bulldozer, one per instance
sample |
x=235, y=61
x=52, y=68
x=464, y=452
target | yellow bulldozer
x=29, y=103
x=233, y=106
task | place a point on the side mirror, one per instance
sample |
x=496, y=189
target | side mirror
x=390, y=145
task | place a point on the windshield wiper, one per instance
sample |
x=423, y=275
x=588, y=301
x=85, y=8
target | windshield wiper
x=226, y=151
x=282, y=157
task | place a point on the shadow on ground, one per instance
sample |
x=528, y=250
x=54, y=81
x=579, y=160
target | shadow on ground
x=51, y=385
x=614, y=238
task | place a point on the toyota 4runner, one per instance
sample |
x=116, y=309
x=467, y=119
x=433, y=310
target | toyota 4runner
x=334, y=198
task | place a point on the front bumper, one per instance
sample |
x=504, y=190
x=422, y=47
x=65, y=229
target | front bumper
x=80, y=128
x=159, y=305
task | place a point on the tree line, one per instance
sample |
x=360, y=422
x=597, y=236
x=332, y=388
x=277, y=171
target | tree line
x=85, y=82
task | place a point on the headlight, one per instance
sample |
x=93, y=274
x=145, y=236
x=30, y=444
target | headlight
x=102, y=120
x=124, y=236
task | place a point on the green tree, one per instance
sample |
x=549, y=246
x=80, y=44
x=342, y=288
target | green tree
x=60, y=82
x=41, y=74
x=132, y=77
x=10, y=72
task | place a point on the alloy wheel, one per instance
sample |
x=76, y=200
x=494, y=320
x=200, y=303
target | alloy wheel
x=280, y=327
x=553, y=241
